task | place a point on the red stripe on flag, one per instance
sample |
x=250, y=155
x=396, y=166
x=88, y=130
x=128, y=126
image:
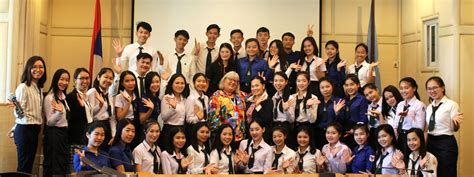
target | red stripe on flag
x=94, y=35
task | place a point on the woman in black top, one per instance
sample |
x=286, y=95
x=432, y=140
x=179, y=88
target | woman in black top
x=223, y=64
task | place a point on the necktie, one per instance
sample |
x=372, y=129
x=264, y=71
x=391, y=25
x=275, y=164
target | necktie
x=308, y=66
x=297, y=108
x=180, y=168
x=156, y=166
x=236, y=56
x=142, y=86
x=275, y=161
x=249, y=72
x=206, y=158
x=431, y=125
x=372, y=117
x=275, y=108
x=178, y=66
x=204, y=108
x=357, y=69
x=379, y=166
x=300, y=161
x=140, y=50
x=209, y=58
x=402, y=119
x=413, y=166
x=106, y=99
x=129, y=155
x=231, y=167
x=252, y=157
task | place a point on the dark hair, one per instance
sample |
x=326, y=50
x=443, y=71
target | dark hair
x=217, y=143
x=370, y=86
x=389, y=130
x=337, y=58
x=54, y=83
x=289, y=34
x=309, y=132
x=353, y=78
x=183, y=33
x=259, y=78
x=286, y=90
x=282, y=56
x=197, y=75
x=121, y=124
x=194, y=139
x=412, y=83
x=236, y=31
x=313, y=43
x=78, y=71
x=366, y=50
x=144, y=25
x=169, y=146
x=439, y=81
x=363, y=127
x=213, y=26
x=392, y=89
x=169, y=86
x=148, y=80
x=102, y=71
x=308, y=93
x=263, y=30
x=122, y=78
x=148, y=123
x=94, y=125
x=420, y=135
x=144, y=55
x=280, y=129
x=338, y=128
x=326, y=79
x=231, y=59
x=26, y=75
x=253, y=40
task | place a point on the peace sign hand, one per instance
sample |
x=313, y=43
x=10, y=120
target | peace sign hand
x=197, y=47
x=309, y=30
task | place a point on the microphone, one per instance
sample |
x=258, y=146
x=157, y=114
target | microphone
x=18, y=109
x=103, y=155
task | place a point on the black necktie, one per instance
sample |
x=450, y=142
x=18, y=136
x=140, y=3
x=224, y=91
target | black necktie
x=249, y=71
x=142, y=86
x=252, y=157
x=379, y=166
x=236, y=56
x=372, y=117
x=140, y=50
x=431, y=125
x=300, y=161
x=180, y=168
x=209, y=58
x=204, y=108
x=275, y=108
x=357, y=69
x=275, y=161
x=156, y=166
x=297, y=108
x=178, y=66
x=308, y=66
x=402, y=119
x=231, y=167
x=413, y=166
x=106, y=99
x=206, y=158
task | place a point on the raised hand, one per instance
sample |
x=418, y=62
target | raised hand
x=128, y=98
x=160, y=55
x=397, y=160
x=374, y=64
x=273, y=61
x=458, y=119
x=56, y=106
x=287, y=162
x=199, y=112
x=148, y=103
x=287, y=104
x=197, y=47
x=309, y=30
x=312, y=101
x=81, y=100
x=243, y=156
x=10, y=133
x=185, y=162
x=165, y=75
x=116, y=65
x=262, y=74
x=117, y=47
x=100, y=99
x=339, y=105
x=347, y=157
x=320, y=160
x=341, y=64
x=171, y=101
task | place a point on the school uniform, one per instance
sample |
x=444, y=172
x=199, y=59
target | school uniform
x=200, y=159
x=306, y=161
x=364, y=159
x=415, y=118
x=337, y=78
x=56, y=150
x=172, y=163
x=248, y=69
x=304, y=116
x=124, y=154
x=155, y=113
x=103, y=114
x=205, y=58
x=361, y=71
x=129, y=56
x=148, y=157
x=390, y=117
x=99, y=159
x=293, y=57
x=216, y=72
x=374, y=121
x=383, y=163
x=261, y=113
x=140, y=83
x=78, y=121
x=238, y=54
x=224, y=160
x=121, y=101
x=28, y=125
x=335, y=161
x=414, y=166
x=260, y=158
x=355, y=113
x=326, y=116
x=278, y=158
x=441, y=141
x=180, y=63
x=310, y=66
x=196, y=100
x=172, y=117
x=284, y=118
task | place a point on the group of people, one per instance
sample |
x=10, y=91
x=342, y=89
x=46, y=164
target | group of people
x=258, y=108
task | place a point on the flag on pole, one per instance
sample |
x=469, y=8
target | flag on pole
x=95, y=62
x=372, y=44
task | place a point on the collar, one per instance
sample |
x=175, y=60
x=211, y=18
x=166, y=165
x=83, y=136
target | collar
x=361, y=64
x=389, y=150
x=444, y=99
x=125, y=93
x=264, y=97
x=378, y=103
x=148, y=147
x=285, y=149
x=306, y=150
x=365, y=147
x=226, y=151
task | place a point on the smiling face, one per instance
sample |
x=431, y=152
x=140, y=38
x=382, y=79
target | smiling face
x=413, y=141
x=236, y=39
x=360, y=136
x=96, y=137
x=331, y=51
x=326, y=88
x=63, y=81
x=384, y=139
x=155, y=85
x=435, y=91
x=225, y=54
x=82, y=81
x=407, y=90
x=302, y=138
x=371, y=94
x=153, y=133
x=351, y=87
x=279, y=83
x=179, y=139
x=278, y=138
x=143, y=66
x=203, y=134
x=201, y=84
x=128, y=133
x=273, y=49
x=142, y=35
x=212, y=35
x=390, y=99
x=230, y=84
x=308, y=48
x=252, y=49
x=256, y=131
x=105, y=80
x=226, y=136
x=361, y=54
x=332, y=135
x=129, y=83
x=302, y=83
x=257, y=87
x=37, y=70
x=178, y=85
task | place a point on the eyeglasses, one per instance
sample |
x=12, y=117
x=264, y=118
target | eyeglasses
x=432, y=88
x=83, y=78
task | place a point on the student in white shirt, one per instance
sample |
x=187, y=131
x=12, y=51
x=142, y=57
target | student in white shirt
x=277, y=62
x=361, y=68
x=206, y=53
x=336, y=154
x=391, y=98
x=283, y=157
x=443, y=119
x=126, y=103
x=263, y=35
x=223, y=155
x=374, y=110
x=56, y=148
x=149, y=107
x=410, y=112
x=236, y=38
x=387, y=155
x=282, y=101
x=307, y=156
x=147, y=155
x=312, y=64
x=199, y=149
x=306, y=104
x=128, y=56
x=419, y=159
x=102, y=104
x=255, y=153
x=179, y=62
x=174, y=158
x=173, y=107
x=197, y=102
x=29, y=95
